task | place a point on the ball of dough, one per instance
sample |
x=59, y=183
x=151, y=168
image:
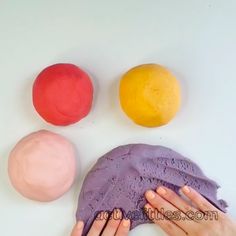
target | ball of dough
x=62, y=94
x=150, y=95
x=120, y=178
x=42, y=166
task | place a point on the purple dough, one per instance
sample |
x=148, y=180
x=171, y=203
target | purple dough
x=120, y=178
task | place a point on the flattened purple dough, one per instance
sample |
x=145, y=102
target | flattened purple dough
x=120, y=178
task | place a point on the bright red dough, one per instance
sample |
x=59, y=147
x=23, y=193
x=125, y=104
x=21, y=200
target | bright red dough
x=62, y=94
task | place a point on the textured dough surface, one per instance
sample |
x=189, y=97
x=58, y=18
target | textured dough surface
x=62, y=94
x=120, y=178
x=42, y=166
x=150, y=95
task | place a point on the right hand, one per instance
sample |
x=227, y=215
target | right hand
x=167, y=200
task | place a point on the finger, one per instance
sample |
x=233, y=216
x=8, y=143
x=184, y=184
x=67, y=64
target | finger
x=78, y=229
x=98, y=224
x=170, y=211
x=124, y=228
x=113, y=223
x=167, y=225
x=177, y=201
x=198, y=199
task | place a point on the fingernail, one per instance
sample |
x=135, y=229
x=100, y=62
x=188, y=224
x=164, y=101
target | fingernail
x=105, y=215
x=161, y=191
x=80, y=224
x=117, y=214
x=126, y=222
x=99, y=216
x=186, y=189
x=150, y=194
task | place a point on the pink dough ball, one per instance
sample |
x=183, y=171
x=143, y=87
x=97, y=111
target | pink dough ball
x=42, y=166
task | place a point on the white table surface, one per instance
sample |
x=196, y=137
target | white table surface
x=196, y=39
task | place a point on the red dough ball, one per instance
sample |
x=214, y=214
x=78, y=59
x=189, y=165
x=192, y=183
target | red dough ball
x=62, y=94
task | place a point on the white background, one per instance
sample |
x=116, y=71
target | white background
x=195, y=39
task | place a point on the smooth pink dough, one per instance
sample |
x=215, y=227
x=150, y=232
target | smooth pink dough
x=42, y=166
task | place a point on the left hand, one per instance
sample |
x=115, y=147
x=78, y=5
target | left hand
x=108, y=226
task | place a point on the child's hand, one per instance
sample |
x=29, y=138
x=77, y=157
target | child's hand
x=112, y=226
x=166, y=202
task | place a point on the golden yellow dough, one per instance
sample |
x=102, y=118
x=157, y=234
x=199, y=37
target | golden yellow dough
x=150, y=95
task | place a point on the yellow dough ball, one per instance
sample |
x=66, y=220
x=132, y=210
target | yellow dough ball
x=150, y=95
